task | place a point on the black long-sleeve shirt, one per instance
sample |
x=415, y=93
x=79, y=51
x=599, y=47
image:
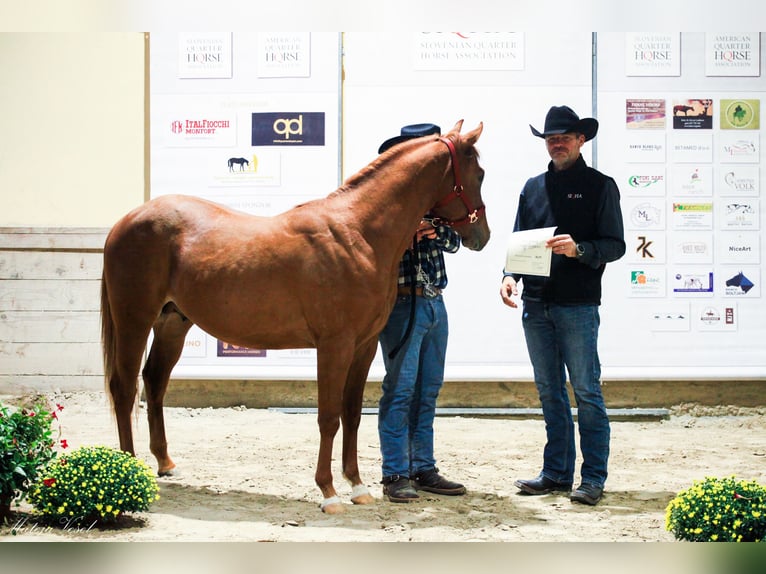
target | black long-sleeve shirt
x=584, y=203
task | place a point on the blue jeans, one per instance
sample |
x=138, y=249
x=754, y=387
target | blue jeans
x=411, y=386
x=558, y=338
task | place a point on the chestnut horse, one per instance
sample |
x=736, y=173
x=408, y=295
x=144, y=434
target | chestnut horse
x=321, y=275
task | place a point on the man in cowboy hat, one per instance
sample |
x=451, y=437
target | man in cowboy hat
x=561, y=311
x=414, y=345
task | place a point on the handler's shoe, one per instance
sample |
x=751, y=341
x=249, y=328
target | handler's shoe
x=587, y=494
x=432, y=481
x=541, y=485
x=398, y=489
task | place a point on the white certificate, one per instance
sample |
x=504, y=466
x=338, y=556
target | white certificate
x=527, y=253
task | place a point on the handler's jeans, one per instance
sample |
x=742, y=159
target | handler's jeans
x=411, y=385
x=566, y=336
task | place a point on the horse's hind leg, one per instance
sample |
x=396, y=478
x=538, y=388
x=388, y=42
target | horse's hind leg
x=351, y=416
x=123, y=385
x=169, y=334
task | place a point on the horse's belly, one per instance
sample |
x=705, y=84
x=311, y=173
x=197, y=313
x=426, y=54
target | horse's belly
x=256, y=331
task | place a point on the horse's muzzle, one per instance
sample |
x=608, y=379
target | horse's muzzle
x=475, y=237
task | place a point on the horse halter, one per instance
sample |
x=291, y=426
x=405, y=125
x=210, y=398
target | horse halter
x=457, y=193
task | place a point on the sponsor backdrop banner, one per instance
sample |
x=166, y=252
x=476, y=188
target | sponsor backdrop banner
x=252, y=121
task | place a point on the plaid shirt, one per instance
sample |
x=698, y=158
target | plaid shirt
x=429, y=255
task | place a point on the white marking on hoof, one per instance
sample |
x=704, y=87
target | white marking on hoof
x=332, y=505
x=361, y=495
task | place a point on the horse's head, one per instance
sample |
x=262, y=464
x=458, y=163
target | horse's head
x=463, y=208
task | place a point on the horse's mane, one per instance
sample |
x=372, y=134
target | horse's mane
x=371, y=170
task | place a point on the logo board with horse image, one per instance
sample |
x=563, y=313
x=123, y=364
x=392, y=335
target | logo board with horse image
x=240, y=161
x=321, y=275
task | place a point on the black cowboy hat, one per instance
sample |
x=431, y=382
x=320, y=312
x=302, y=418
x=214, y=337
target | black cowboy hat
x=562, y=119
x=410, y=132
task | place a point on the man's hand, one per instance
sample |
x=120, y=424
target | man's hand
x=562, y=245
x=426, y=230
x=507, y=290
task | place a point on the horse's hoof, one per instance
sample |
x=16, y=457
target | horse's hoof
x=168, y=472
x=333, y=508
x=332, y=505
x=363, y=499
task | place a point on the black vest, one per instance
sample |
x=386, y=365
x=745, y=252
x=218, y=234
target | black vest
x=568, y=200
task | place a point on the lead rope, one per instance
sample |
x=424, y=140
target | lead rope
x=413, y=291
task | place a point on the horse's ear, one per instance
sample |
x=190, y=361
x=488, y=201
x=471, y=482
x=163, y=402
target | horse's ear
x=457, y=128
x=473, y=136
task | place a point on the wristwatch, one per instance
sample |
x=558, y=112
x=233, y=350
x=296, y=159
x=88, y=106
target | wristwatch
x=580, y=250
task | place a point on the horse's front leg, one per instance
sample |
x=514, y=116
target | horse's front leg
x=351, y=416
x=333, y=362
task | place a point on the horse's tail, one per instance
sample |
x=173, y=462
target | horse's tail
x=108, y=341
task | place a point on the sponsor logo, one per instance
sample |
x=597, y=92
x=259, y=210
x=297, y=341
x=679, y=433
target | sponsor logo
x=228, y=350
x=644, y=215
x=741, y=148
x=710, y=316
x=697, y=248
x=687, y=207
x=738, y=285
x=693, y=283
x=199, y=127
x=644, y=247
x=286, y=128
x=739, y=183
x=643, y=181
x=740, y=115
x=641, y=278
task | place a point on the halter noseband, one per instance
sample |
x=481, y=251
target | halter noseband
x=457, y=193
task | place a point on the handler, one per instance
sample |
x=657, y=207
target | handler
x=415, y=374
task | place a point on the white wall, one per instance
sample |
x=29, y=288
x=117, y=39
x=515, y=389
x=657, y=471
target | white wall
x=72, y=145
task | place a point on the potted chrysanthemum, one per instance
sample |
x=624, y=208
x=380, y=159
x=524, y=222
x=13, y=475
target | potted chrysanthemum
x=27, y=443
x=719, y=510
x=93, y=485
